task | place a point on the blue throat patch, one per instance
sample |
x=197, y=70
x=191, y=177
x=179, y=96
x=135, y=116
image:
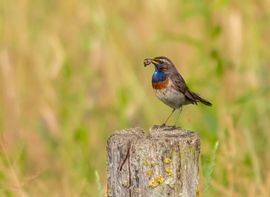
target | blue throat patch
x=158, y=75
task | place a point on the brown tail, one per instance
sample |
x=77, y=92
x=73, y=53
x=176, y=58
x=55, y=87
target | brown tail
x=197, y=98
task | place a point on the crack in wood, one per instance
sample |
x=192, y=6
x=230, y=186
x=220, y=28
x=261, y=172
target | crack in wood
x=126, y=157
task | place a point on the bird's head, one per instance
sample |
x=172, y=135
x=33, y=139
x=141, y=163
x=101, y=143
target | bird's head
x=162, y=64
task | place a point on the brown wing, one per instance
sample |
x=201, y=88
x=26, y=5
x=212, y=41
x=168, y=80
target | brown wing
x=180, y=84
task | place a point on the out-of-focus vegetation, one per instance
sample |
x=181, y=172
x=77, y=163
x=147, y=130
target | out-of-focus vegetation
x=71, y=72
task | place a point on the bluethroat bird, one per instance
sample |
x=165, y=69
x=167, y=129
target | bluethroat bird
x=170, y=87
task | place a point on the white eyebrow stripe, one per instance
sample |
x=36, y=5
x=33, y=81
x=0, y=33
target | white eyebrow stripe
x=164, y=60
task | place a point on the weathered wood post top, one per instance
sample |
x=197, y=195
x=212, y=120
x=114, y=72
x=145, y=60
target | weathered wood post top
x=163, y=163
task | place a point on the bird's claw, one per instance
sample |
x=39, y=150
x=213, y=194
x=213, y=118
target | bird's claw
x=170, y=127
x=163, y=125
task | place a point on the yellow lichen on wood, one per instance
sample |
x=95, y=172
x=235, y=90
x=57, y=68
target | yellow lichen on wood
x=167, y=160
x=168, y=171
x=153, y=163
x=137, y=190
x=146, y=162
x=156, y=181
x=149, y=171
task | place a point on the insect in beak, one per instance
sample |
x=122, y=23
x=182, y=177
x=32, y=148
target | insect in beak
x=148, y=61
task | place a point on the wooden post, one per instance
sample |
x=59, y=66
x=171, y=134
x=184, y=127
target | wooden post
x=163, y=163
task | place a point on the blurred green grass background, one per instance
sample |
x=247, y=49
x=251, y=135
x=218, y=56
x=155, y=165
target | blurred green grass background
x=71, y=72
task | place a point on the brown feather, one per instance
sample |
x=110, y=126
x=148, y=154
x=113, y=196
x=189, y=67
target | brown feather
x=180, y=84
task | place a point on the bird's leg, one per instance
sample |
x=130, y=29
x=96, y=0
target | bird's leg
x=180, y=110
x=168, y=118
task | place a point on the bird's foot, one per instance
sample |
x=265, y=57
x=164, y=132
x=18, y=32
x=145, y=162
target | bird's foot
x=171, y=127
x=166, y=127
x=163, y=125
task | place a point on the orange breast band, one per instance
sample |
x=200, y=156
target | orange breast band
x=161, y=84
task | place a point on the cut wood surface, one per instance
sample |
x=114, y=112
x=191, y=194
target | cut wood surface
x=162, y=163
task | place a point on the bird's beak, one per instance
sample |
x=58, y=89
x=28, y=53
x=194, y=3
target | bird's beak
x=148, y=61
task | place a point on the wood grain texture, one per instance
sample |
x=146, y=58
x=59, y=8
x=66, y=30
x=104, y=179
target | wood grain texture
x=162, y=163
